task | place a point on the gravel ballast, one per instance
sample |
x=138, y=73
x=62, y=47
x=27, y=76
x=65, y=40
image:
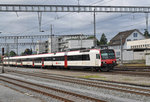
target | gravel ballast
x=108, y=95
x=10, y=95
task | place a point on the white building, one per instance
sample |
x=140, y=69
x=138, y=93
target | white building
x=125, y=36
x=40, y=47
x=52, y=44
x=140, y=48
x=70, y=42
x=77, y=44
x=66, y=43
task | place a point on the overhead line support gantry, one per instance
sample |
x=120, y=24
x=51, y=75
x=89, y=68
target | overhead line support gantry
x=72, y=8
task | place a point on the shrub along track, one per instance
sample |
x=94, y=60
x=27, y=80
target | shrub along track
x=31, y=86
x=98, y=84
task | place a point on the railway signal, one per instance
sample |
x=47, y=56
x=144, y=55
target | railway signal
x=2, y=60
x=2, y=51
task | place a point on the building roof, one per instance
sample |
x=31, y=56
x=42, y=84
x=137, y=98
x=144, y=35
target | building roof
x=73, y=35
x=116, y=39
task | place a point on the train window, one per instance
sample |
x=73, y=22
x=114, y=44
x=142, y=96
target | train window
x=37, y=60
x=19, y=60
x=54, y=58
x=69, y=58
x=107, y=54
x=85, y=57
x=78, y=57
x=97, y=56
x=48, y=59
x=58, y=58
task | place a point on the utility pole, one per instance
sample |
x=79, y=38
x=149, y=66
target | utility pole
x=32, y=44
x=94, y=29
x=51, y=30
x=8, y=53
x=121, y=49
x=78, y=5
x=3, y=60
x=40, y=20
x=81, y=40
x=5, y=44
x=78, y=2
x=16, y=42
x=146, y=16
x=146, y=30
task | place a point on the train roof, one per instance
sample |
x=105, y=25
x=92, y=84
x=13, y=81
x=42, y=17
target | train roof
x=52, y=54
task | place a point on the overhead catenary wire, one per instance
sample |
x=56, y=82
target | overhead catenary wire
x=60, y=17
x=110, y=0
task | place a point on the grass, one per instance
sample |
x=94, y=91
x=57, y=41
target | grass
x=92, y=76
x=127, y=79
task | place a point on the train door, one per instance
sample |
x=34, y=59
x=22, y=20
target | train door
x=97, y=59
x=92, y=59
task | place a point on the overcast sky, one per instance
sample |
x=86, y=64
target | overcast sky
x=72, y=23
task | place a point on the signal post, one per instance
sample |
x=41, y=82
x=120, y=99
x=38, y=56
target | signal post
x=3, y=60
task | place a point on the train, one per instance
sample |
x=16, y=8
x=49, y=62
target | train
x=95, y=59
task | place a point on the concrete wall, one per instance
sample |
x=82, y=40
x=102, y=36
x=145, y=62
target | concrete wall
x=128, y=55
x=148, y=60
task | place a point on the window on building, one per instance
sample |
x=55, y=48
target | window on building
x=135, y=34
x=118, y=54
x=97, y=56
x=128, y=39
x=138, y=46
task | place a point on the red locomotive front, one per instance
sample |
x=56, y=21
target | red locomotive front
x=108, y=59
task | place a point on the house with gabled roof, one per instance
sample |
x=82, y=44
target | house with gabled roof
x=124, y=37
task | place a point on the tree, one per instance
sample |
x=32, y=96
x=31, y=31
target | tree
x=90, y=37
x=27, y=52
x=103, y=40
x=12, y=53
x=6, y=54
x=146, y=34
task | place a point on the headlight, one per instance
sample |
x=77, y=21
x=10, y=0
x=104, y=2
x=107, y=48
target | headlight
x=104, y=62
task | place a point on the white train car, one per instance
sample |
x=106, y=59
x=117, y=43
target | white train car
x=92, y=58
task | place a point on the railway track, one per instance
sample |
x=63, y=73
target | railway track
x=97, y=84
x=133, y=73
x=61, y=94
x=133, y=68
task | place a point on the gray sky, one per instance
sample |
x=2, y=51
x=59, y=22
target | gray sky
x=72, y=23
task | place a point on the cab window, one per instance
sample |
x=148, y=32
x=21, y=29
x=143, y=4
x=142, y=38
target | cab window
x=97, y=56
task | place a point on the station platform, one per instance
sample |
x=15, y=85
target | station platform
x=9, y=95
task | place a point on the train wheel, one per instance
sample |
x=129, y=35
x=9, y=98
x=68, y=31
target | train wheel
x=104, y=69
x=92, y=69
x=97, y=69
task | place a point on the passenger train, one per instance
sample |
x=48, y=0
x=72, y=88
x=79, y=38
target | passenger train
x=96, y=59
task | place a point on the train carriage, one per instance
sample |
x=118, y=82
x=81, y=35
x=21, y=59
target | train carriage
x=103, y=60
